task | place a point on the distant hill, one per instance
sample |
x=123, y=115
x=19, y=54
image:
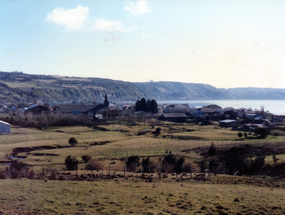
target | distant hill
x=21, y=87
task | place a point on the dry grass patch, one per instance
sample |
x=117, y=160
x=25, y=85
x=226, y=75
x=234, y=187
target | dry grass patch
x=135, y=197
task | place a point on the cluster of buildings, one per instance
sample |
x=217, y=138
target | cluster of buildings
x=241, y=118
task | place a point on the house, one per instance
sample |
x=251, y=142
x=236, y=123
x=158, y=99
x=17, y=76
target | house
x=83, y=109
x=4, y=127
x=228, y=123
x=37, y=109
x=76, y=109
x=177, y=108
x=173, y=117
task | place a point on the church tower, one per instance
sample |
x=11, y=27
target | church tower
x=106, y=102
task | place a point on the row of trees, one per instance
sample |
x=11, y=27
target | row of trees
x=170, y=164
x=236, y=160
x=147, y=106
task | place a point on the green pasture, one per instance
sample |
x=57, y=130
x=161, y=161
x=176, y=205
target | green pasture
x=115, y=142
x=133, y=196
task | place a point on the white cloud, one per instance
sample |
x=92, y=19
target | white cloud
x=72, y=19
x=145, y=35
x=112, y=25
x=140, y=7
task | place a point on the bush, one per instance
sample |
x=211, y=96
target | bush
x=86, y=158
x=188, y=167
x=94, y=164
x=262, y=132
x=203, y=165
x=212, y=150
x=133, y=163
x=157, y=131
x=71, y=163
x=171, y=164
x=72, y=141
x=148, y=165
x=257, y=164
x=18, y=169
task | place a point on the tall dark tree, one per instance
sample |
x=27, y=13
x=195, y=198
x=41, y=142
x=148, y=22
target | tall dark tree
x=212, y=150
x=143, y=105
x=138, y=105
x=153, y=106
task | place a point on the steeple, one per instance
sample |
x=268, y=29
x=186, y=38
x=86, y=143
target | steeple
x=106, y=102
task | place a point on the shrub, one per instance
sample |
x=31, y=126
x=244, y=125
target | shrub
x=133, y=163
x=179, y=164
x=72, y=141
x=71, y=163
x=2, y=174
x=239, y=134
x=148, y=165
x=188, y=167
x=212, y=150
x=262, y=132
x=86, y=158
x=169, y=163
x=213, y=165
x=236, y=159
x=257, y=164
x=203, y=165
x=18, y=169
x=157, y=131
x=94, y=164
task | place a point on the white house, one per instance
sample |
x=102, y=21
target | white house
x=4, y=127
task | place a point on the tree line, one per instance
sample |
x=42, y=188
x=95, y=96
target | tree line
x=147, y=106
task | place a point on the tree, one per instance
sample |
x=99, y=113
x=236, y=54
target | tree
x=257, y=164
x=86, y=158
x=138, y=106
x=169, y=163
x=213, y=165
x=203, y=165
x=148, y=165
x=72, y=141
x=153, y=106
x=132, y=163
x=71, y=163
x=212, y=150
x=236, y=159
x=179, y=165
x=239, y=134
x=143, y=106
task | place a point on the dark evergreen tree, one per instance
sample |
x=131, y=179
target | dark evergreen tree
x=143, y=105
x=153, y=106
x=212, y=150
x=138, y=105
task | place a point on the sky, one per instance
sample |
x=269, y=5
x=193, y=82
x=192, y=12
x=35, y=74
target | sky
x=223, y=43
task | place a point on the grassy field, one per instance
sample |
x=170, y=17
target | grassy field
x=115, y=141
x=137, y=197
x=111, y=144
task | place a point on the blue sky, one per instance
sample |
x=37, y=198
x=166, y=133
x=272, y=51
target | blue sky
x=223, y=43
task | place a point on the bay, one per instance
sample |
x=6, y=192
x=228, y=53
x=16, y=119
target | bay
x=276, y=107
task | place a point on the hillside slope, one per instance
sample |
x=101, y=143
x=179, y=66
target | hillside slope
x=21, y=87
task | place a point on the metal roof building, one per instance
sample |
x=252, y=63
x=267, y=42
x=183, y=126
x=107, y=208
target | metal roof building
x=4, y=127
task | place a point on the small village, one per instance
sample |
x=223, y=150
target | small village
x=241, y=119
